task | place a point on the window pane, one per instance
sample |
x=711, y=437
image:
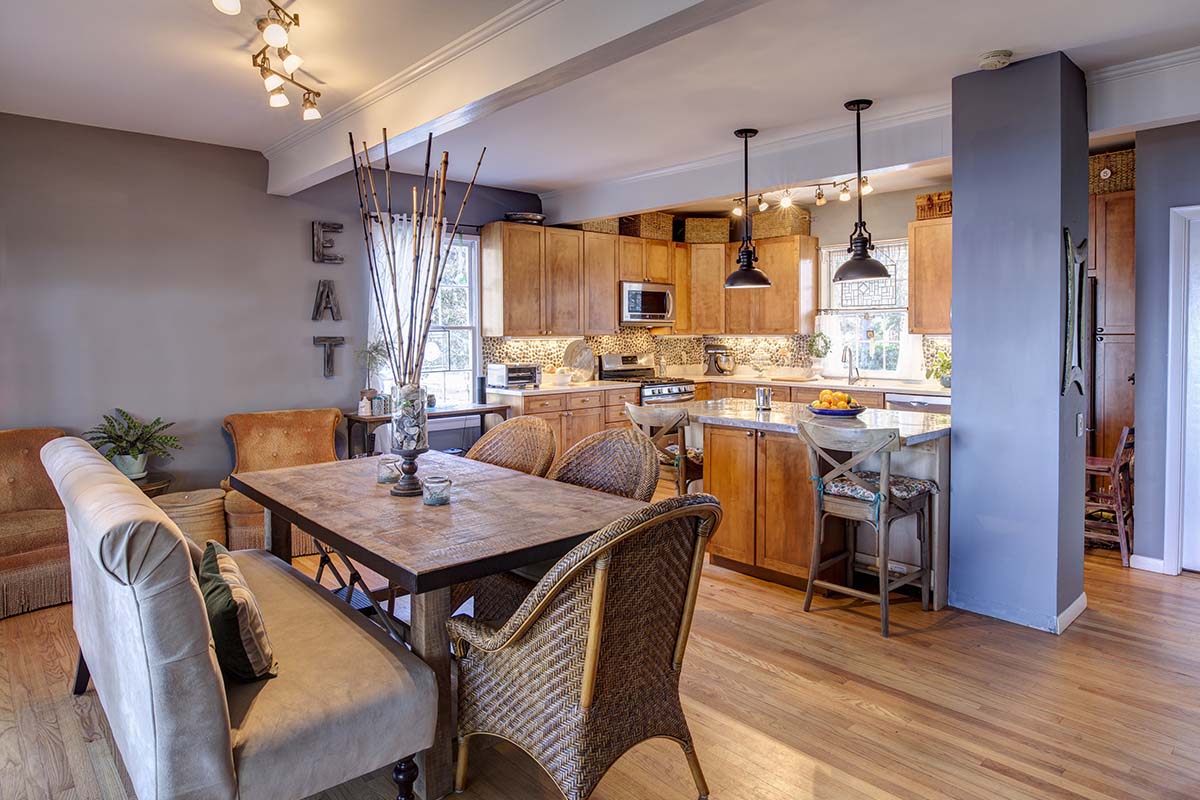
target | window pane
x=453, y=306
x=457, y=388
x=457, y=267
x=434, y=383
x=460, y=349
x=437, y=351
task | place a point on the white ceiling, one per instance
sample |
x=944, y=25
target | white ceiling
x=786, y=67
x=182, y=69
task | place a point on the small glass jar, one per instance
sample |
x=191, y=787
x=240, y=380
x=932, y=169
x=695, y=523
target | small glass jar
x=435, y=490
x=389, y=468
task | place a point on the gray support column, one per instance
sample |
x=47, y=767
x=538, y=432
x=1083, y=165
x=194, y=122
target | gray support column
x=1017, y=480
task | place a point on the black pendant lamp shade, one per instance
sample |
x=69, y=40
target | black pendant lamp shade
x=746, y=276
x=860, y=266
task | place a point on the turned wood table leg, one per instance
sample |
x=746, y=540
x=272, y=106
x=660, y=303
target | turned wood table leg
x=430, y=611
x=278, y=535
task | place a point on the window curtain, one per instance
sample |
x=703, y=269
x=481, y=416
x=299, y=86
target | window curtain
x=382, y=380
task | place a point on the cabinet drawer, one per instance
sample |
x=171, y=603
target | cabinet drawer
x=616, y=426
x=586, y=400
x=619, y=397
x=868, y=399
x=615, y=414
x=804, y=394
x=546, y=402
x=742, y=390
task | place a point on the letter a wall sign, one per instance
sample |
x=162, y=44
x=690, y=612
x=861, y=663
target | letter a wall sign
x=326, y=300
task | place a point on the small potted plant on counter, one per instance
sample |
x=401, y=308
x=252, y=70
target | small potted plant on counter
x=131, y=442
x=939, y=368
x=818, y=348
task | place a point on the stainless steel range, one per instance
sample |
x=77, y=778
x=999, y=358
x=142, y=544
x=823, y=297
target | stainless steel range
x=639, y=368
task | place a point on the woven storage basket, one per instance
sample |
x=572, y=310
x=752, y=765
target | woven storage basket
x=653, y=225
x=606, y=225
x=1120, y=166
x=792, y=221
x=200, y=514
x=706, y=230
x=935, y=205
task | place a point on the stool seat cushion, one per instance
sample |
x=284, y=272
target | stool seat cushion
x=902, y=487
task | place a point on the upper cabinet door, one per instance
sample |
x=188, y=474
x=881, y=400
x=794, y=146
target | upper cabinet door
x=512, y=257
x=1112, y=254
x=681, y=277
x=708, y=288
x=599, y=283
x=633, y=259
x=776, y=308
x=929, y=275
x=659, y=268
x=739, y=303
x=564, y=281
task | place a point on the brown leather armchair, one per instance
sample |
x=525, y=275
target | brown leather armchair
x=34, y=562
x=270, y=440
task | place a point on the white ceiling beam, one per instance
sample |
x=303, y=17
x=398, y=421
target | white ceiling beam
x=534, y=46
x=1147, y=93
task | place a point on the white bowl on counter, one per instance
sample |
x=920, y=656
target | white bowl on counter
x=557, y=379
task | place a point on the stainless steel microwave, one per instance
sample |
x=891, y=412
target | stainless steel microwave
x=647, y=303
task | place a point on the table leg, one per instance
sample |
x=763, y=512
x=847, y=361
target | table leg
x=429, y=640
x=350, y=428
x=278, y=535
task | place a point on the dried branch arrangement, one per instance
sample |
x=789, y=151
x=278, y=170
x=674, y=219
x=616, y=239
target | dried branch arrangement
x=405, y=316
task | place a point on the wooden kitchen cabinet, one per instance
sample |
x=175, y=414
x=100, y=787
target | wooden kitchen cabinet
x=513, y=256
x=645, y=260
x=729, y=477
x=707, y=290
x=1113, y=395
x=681, y=277
x=1111, y=254
x=600, y=276
x=660, y=266
x=554, y=419
x=929, y=275
x=790, y=305
x=578, y=424
x=633, y=258
x=563, y=276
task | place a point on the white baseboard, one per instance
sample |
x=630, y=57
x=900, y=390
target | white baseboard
x=1071, y=613
x=1148, y=564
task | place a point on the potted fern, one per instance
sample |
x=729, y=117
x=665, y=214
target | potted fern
x=818, y=348
x=130, y=442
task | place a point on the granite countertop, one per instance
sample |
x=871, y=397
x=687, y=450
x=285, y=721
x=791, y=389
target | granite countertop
x=582, y=386
x=837, y=384
x=915, y=426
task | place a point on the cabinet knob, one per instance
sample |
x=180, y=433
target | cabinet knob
x=1099, y=330
x=749, y=433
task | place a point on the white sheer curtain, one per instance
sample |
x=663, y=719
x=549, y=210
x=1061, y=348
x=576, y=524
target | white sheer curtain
x=383, y=379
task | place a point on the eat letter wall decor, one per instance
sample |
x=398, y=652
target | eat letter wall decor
x=322, y=242
x=326, y=299
x=329, y=343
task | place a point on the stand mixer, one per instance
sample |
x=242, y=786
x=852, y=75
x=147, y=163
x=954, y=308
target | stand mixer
x=718, y=360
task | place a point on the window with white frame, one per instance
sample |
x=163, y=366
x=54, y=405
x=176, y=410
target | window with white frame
x=870, y=317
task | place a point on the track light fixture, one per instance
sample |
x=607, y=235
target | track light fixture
x=786, y=200
x=737, y=208
x=271, y=79
x=278, y=98
x=864, y=185
x=274, y=27
x=230, y=7
x=291, y=61
x=844, y=193
x=273, y=31
x=311, y=111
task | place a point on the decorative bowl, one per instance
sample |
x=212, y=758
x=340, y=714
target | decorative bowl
x=837, y=412
x=527, y=217
x=557, y=379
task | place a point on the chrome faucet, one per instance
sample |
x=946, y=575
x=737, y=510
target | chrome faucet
x=852, y=376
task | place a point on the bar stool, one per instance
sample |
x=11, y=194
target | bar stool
x=1108, y=510
x=876, y=498
x=666, y=427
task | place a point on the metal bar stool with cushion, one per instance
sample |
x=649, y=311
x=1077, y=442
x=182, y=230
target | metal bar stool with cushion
x=525, y=444
x=620, y=462
x=1108, y=511
x=876, y=498
x=588, y=666
x=666, y=428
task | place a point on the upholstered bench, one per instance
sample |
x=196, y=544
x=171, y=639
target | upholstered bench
x=346, y=699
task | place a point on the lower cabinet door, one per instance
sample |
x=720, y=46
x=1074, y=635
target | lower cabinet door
x=784, y=504
x=555, y=420
x=729, y=456
x=578, y=424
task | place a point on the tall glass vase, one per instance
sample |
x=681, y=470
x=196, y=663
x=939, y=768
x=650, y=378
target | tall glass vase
x=410, y=434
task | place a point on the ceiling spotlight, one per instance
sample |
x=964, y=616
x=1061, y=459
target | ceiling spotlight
x=844, y=194
x=311, y=111
x=291, y=61
x=273, y=31
x=819, y=197
x=786, y=200
x=762, y=204
x=864, y=186
x=271, y=81
x=278, y=99
x=230, y=7
x=737, y=209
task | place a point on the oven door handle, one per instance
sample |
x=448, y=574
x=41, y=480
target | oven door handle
x=682, y=397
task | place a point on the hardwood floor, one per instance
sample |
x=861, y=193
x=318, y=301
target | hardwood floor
x=791, y=705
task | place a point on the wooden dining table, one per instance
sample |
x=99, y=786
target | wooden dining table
x=497, y=520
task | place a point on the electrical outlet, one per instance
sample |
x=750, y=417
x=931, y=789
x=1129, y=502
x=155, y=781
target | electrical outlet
x=1079, y=425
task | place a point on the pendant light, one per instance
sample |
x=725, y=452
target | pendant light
x=860, y=266
x=746, y=276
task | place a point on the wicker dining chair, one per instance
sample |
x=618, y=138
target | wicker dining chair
x=525, y=444
x=666, y=427
x=588, y=666
x=620, y=462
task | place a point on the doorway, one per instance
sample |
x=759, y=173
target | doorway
x=1182, y=545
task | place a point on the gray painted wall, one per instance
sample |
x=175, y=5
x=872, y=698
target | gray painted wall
x=1016, y=548
x=887, y=215
x=1168, y=165
x=159, y=276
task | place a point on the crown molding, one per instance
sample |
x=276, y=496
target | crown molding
x=1144, y=66
x=497, y=26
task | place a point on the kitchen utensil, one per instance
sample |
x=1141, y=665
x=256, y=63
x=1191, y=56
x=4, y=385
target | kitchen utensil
x=762, y=398
x=580, y=359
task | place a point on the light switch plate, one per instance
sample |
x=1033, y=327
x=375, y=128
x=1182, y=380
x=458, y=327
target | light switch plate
x=1079, y=425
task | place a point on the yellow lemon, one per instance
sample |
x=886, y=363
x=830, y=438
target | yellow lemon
x=826, y=395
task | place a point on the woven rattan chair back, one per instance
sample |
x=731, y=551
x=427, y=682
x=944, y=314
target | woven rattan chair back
x=588, y=666
x=622, y=462
x=525, y=444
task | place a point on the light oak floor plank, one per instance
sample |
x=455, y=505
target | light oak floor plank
x=785, y=704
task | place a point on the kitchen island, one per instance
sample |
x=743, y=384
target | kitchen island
x=757, y=466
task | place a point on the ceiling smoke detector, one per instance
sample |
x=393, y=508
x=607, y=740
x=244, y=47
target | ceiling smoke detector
x=995, y=59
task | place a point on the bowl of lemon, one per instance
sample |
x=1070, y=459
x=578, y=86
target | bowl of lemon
x=835, y=404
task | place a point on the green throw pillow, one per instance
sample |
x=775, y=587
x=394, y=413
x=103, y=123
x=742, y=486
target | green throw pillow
x=243, y=648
